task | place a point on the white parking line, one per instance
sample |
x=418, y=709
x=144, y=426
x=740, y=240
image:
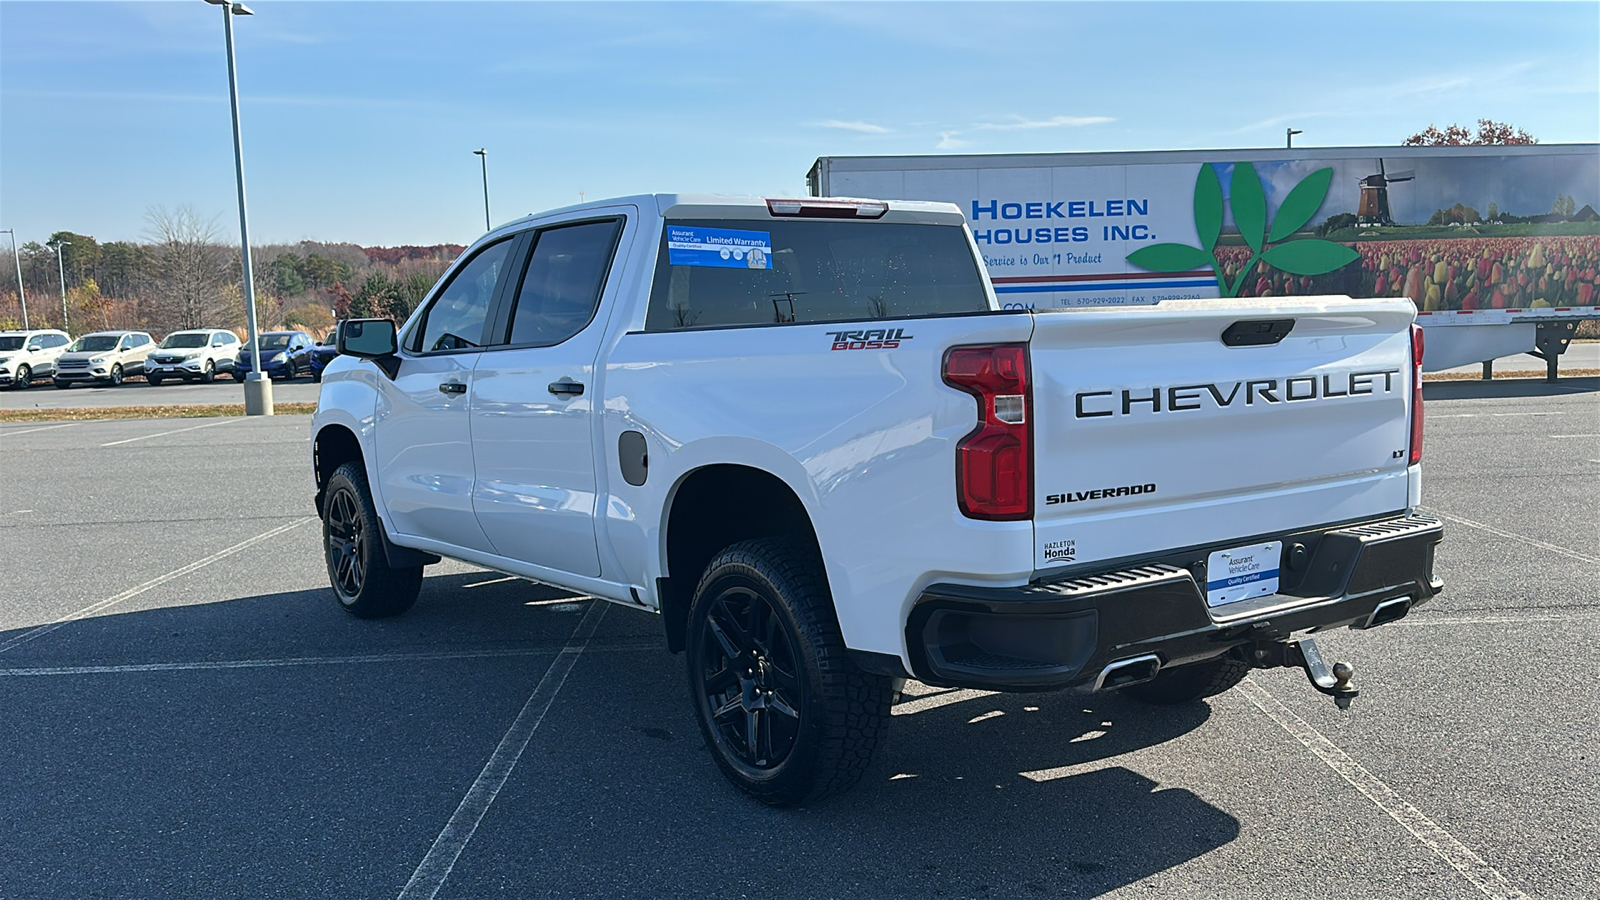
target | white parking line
x=165, y=433
x=1485, y=415
x=152, y=583
x=32, y=430
x=934, y=701
x=441, y=858
x=1517, y=537
x=1424, y=829
x=1484, y=620
x=1570, y=436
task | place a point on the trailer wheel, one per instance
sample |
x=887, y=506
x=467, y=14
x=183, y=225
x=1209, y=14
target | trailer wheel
x=787, y=715
x=1186, y=684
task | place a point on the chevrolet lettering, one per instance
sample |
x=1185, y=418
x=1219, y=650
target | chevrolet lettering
x=597, y=399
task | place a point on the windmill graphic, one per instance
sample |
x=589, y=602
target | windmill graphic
x=1374, y=206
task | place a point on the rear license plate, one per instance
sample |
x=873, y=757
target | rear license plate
x=1242, y=573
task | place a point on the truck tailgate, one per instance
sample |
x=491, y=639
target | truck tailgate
x=1151, y=434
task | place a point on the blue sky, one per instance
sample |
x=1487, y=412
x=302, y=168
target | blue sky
x=360, y=118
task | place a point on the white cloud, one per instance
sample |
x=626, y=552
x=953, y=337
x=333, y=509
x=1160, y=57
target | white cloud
x=861, y=127
x=1021, y=124
x=949, y=141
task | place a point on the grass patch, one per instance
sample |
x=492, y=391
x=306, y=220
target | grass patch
x=197, y=411
x=1520, y=375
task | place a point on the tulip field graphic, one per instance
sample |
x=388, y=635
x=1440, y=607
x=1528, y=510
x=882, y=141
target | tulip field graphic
x=1454, y=273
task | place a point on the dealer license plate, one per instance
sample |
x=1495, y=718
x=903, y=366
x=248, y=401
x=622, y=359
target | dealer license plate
x=1242, y=573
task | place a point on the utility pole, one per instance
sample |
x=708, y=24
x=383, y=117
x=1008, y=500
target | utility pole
x=56, y=245
x=257, y=386
x=21, y=294
x=483, y=155
x=1288, y=137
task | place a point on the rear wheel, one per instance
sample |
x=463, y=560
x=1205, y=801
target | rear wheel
x=1186, y=684
x=366, y=585
x=787, y=715
x=22, y=378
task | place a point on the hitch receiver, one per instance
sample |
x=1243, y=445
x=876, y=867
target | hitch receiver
x=1305, y=655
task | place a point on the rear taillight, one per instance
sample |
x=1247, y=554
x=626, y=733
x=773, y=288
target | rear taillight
x=994, y=463
x=1416, y=394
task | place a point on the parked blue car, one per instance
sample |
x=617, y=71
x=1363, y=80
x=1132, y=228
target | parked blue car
x=323, y=353
x=284, y=354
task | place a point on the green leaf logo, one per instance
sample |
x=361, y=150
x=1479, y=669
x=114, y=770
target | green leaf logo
x=1249, y=202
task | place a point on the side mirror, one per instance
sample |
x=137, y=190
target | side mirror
x=373, y=339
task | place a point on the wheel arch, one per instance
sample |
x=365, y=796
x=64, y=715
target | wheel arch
x=712, y=507
x=333, y=446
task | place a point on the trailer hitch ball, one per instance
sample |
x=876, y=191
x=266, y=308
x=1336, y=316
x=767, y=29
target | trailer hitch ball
x=1334, y=682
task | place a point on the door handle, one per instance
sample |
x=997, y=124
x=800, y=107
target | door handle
x=452, y=387
x=566, y=387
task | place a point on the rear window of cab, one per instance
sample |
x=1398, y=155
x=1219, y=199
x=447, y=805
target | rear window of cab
x=713, y=273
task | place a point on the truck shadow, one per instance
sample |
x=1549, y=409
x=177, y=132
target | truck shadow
x=974, y=795
x=1506, y=389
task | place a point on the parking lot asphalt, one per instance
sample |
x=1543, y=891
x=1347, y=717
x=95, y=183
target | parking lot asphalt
x=187, y=713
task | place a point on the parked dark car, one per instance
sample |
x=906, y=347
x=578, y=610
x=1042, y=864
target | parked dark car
x=284, y=354
x=323, y=353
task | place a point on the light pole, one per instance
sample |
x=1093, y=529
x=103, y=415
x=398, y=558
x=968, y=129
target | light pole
x=56, y=245
x=257, y=386
x=483, y=155
x=1288, y=137
x=21, y=294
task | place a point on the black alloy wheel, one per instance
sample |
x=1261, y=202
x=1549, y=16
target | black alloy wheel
x=347, y=538
x=116, y=374
x=358, y=567
x=23, y=377
x=786, y=714
x=749, y=677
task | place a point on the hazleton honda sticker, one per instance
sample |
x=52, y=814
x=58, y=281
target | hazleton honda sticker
x=870, y=339
x=722, y=248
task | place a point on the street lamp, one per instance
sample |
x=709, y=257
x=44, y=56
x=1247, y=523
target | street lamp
x=1288, y=137
x=257, y=386
x=56, y=245
x=483, y=155
x=21, y=294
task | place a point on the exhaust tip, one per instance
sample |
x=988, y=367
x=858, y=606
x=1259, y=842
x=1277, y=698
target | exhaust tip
x=1124, y=672
x=1388, y=611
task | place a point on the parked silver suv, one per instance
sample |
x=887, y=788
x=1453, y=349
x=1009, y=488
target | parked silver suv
x=196, y=355
x=106, y=357
x=26, y=355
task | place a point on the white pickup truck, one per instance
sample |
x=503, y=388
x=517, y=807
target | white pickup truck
x=804, y=433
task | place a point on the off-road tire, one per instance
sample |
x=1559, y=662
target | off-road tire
x=842, y=711
x=22, y=379
x=1188, y=683
x=352, y=544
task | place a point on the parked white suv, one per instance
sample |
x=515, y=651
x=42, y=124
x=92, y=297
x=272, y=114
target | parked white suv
x=106, y=357
x=195, y=355
x=26, y=355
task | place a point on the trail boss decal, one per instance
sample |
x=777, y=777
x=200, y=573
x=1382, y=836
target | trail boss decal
x=1094, y=404
x=1127, y=490
x=871, y=339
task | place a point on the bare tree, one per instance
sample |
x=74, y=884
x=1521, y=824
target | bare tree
x=190, y=267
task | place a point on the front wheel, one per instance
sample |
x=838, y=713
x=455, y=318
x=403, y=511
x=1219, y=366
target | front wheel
x=116, y=374
x=155, y=380
x=23, y=378
x=366, y=585
x=787, y=715
x=61, y=385
x=209, y=374
x=239, y=377
x=1188, y=683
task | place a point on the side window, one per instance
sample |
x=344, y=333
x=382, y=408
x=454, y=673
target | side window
x=562, y=284
x=55, y=340
x=126, y=343
x=455, y=319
